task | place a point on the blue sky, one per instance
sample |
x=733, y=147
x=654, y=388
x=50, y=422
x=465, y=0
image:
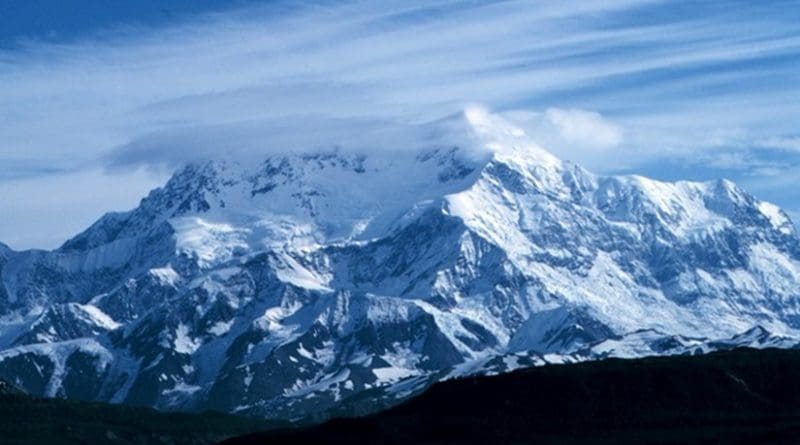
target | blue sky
x=101, y=98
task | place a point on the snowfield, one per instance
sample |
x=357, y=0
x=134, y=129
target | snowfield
x=334, y=282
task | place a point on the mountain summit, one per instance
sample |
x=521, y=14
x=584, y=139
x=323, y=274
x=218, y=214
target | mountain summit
x=339, y=282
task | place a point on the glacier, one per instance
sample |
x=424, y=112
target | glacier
x=336, y=283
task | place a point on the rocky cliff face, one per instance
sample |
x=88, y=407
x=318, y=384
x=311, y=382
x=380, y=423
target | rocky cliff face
x=308, y=284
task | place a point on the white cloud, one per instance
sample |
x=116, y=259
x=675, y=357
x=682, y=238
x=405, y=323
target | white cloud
x=780, y=143
x=362, y=61
x=585, y=128
x=384, y=75
x=735, y=160
x=574, y=134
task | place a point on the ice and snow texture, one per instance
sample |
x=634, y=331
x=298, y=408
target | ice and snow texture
x=291, y=286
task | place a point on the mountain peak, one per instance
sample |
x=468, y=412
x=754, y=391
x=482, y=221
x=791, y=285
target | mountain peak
x=505, y=141
x=301, y=281
x=315, y=198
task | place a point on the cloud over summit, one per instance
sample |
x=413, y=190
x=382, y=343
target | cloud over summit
x=615, y=85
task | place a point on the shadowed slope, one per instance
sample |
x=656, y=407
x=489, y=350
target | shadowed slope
x=29, y=420
x=740, y=396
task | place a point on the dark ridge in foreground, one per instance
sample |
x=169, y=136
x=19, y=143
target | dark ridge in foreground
x=741, y=396
x=29, y=420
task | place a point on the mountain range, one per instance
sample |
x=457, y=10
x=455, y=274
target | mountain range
x=305, y=286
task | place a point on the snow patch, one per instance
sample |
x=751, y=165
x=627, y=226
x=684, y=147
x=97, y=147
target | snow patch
x=392, y=374
x=221, y=327
x=99, y=317
x=776, y=217
x=166, y=275
x=183, y=343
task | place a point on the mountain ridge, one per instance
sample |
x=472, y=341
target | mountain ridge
x=741, y=396
x=288, y=287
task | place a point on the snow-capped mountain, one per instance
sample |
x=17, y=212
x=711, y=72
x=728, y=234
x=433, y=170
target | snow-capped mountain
x=307, y=284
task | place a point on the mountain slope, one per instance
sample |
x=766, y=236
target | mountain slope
x=737, y=397
x=27, y=420
x=292, y=287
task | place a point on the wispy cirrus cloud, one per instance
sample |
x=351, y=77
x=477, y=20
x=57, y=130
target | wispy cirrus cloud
x=615, y=85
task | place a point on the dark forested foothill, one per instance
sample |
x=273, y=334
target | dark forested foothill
x=742, y=396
